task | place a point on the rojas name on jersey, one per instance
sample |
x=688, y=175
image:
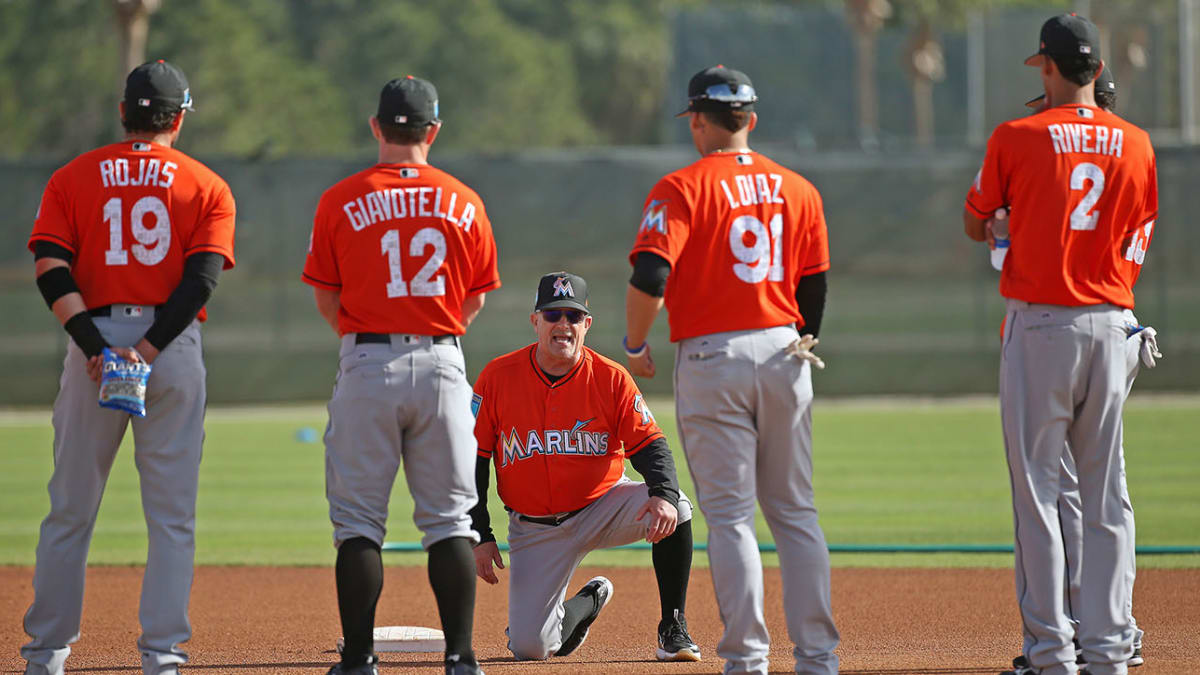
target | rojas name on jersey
x=517, y=446
x=411, y=202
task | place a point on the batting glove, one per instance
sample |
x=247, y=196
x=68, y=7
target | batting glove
x=801, y=348
x=1149, y=351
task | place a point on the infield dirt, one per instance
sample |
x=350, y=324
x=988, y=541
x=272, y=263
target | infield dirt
x=250, y=620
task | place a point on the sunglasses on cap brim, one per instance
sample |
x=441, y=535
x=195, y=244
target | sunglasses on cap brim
x=556, y=315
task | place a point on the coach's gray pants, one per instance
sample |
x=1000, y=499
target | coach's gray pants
x=1063, y=381
x=542, y=559
x=744, y=413
x=167, y=447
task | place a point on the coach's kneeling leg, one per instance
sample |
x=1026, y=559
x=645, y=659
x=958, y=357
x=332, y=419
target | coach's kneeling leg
x=528, y=643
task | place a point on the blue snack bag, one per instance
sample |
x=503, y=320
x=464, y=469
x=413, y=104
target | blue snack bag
x=123, y=384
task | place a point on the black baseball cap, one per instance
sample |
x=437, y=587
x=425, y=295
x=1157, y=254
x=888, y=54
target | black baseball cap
x=561, y=289
x=158, y=84
x=408, y=101
x=719, y=88
x=1104, y=84
x=1067, y=35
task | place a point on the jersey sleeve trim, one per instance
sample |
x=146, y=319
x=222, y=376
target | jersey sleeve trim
x=978, y=212
x=644, y=442
x=487, y=454
x=815, y=269
x=650, y=248
x=489, y=286
x=53, y=239
x=312, y=281
x=213, y=248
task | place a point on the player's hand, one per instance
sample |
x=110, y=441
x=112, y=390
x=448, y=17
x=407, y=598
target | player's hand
x=642, y=366
x=801, y=348
x=147, y=351
x=486, y=554
x=987, y=234
x=663, y=519
x=95, y=368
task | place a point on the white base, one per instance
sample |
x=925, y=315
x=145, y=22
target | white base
x=405, y=639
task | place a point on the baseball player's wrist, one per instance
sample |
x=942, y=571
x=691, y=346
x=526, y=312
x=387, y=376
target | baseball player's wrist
x=635, y=353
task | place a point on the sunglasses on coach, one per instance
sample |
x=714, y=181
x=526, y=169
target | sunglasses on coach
x=555, y=315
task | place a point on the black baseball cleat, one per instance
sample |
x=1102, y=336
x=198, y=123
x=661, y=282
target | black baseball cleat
x=367, y=668
x=674, y=643
x=456, y=666
x=600, y=589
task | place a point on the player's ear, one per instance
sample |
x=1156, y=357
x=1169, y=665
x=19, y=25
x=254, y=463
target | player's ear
x=753, y=121
x=121, y=107
x=178, y=122
x=432, y=131
x=373, y=122
x=533, y=319
x=1099, y=70
x=695, y=121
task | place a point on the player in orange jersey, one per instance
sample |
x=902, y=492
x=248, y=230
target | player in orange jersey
x=129, y=242
x=400, y=258
x=558, y=421
x=738, y=245
x=1082, y=187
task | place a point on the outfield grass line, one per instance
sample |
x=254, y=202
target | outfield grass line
x=26, y=416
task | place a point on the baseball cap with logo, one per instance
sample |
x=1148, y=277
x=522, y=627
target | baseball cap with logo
x=561, y=289
x=1104, y=85
x=1067, y=35
x=409, y=101
x=158, y=84
x=719, y=88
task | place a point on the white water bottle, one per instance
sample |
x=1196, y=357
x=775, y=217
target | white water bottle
x=1000, y=234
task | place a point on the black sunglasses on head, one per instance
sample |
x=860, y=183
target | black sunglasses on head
x=555, y=315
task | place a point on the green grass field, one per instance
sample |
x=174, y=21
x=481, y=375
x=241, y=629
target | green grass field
x=887, y=472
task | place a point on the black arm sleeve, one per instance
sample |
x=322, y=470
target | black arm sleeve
x=657, y=466
x=200, y=274
x=810, y=296
x=83, y=331
x=481, y=520
x=48, y=249
x=650, y=272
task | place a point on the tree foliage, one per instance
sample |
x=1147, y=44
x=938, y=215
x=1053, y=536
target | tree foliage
x=300, y=77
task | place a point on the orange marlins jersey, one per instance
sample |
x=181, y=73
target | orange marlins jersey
x=131, y=213
x=558, y=446
x=739, y=231
x=404, y=244
x=1082, y=187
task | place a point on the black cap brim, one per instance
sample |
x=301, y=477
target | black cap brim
x=1035, y=101
x=565, y=304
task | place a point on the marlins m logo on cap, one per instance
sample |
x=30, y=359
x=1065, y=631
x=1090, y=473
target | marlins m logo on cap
x=562, y=286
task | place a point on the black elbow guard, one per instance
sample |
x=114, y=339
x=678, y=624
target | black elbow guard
x=55, y=283
x=650, y=272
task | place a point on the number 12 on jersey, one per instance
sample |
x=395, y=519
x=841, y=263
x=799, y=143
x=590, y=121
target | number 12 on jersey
x=423, y=283
x=762, y=260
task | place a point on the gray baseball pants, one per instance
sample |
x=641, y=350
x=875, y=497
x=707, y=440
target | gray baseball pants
x=542, y=559
x=1063, y=379
x=1070, y=513
x=744, y=410
x=407, y=402
x=167, y=448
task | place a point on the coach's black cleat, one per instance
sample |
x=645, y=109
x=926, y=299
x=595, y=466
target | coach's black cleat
x=600, y=591
x=674, y=643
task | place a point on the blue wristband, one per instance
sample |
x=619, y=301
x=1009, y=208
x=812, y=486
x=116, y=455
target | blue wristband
x=635, y=353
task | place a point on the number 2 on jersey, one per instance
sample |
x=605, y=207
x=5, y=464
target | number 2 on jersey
x=1086, y=171
x=152, y=244
x=764, y=258
x=423, y=284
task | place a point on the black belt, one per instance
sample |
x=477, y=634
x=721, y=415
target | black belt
x=107, y=310
x=550, y=520
x=386, y=338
